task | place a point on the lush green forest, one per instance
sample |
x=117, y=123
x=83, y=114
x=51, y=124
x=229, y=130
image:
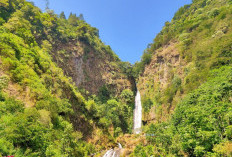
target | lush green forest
x=200, y=125
x=44, y=113
x=192, y=107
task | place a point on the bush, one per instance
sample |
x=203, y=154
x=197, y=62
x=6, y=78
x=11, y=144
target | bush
x=104, y=93
x=3, y=82
x=147, y=104
x=143, y=151
x=214, y=12
x=127, y=96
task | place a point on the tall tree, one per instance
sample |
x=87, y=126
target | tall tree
x=72, y=19
x=47, y=4
x=62, y=15
x=81, y=17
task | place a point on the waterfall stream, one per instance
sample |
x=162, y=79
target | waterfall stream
x=137, y=114
x=137, y=126
x=114, y=152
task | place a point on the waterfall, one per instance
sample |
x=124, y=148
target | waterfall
x=109, y=153
x=119, y=146
x=114, y=152
x=137, y=114
x=137, y=126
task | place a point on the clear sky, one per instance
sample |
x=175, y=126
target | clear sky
x=128, y=26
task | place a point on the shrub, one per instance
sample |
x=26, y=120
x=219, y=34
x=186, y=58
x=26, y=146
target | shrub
x=3, y=82
x=215, y=12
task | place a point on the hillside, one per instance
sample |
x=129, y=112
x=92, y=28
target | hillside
x=197, y=40
x=84, y=57
x=185, y=75
x=49, y=68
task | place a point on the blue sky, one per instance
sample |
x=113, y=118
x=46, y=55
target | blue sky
x=128, y=26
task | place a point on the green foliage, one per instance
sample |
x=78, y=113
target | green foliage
x=198, y=28
x=138, y=67
x=104, y=93
x=62, y=15
x=73, y=19
x=147, y=104
x=228, y=132
x=201, y=121
x=118, y=114
x=44, y=128
x=3, y=82
x=127, y=96
x=141, y=151
x=126, y=68
x=114, y=112
x=171, y=90
x=29, y=132
x=214, y=12
x=200, y=34
x=180, y=12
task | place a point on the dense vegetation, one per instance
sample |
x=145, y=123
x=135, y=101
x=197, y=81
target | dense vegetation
x=197, y=27
x=42, y=113
x=200, y=124
x=201, y=33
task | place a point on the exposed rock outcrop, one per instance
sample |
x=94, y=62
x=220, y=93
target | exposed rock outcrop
x=157, y=76
x=89, y=68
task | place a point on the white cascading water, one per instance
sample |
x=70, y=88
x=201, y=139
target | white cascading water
x=114, y=152
x=136, y=129
x=119, y=146
x=109, y=153
x=137, y=114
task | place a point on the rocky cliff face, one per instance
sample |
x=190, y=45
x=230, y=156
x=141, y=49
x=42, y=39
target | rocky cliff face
x=165, y=65
x=89, y=68
x=161, y=67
